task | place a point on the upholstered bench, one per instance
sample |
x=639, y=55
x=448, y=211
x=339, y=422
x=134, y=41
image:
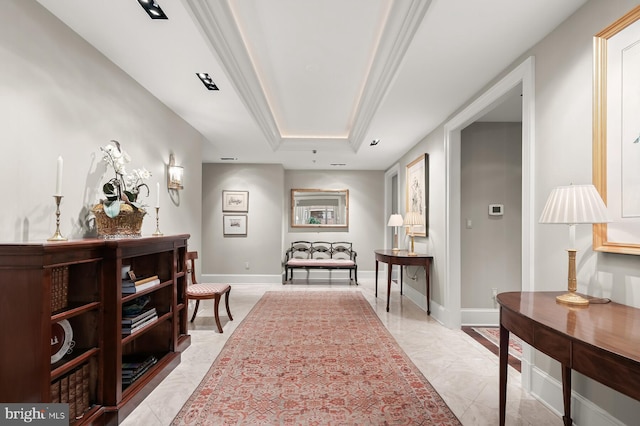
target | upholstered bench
x=321, y=255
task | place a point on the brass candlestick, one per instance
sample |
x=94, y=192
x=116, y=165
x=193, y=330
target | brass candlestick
x=57, y=236
x=157, y=233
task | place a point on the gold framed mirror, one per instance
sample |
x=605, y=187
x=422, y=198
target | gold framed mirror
x=319, y=208
x=616, y=133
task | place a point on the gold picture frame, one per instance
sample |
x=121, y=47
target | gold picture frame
x=417, y=191
x=609, y=45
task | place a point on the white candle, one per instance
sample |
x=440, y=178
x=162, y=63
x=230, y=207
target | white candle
x=59, y=177
x=158, y=194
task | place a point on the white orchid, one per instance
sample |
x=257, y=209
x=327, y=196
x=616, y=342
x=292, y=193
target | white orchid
x=123, y=188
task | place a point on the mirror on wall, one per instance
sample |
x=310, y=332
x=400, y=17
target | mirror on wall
x=312, y=208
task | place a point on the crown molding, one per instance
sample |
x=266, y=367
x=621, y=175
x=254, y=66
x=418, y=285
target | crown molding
x=217, y=23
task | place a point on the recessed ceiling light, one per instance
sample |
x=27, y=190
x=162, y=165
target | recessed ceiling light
x=207, y=81
x=374, y=142
x=153, y=9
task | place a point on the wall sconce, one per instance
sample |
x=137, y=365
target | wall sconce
x=175, y=174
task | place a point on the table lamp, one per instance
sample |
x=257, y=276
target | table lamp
x=572, y=205
x=395, y=220
x=413, y=219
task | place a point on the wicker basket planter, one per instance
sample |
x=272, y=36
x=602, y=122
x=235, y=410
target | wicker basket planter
x=126, y=225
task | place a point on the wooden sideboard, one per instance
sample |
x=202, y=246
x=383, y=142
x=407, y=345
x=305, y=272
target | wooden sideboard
x=601, y=340
x=403, y=258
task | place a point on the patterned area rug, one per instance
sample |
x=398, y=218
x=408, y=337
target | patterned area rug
x=313, y=358
x=492, y=334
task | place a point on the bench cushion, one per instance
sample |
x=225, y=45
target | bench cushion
x=204, y=289
x=324, y=263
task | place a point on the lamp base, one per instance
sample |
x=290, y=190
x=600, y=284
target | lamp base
x=412, y=252
x=572, y=298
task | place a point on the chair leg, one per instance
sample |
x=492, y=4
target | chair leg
x=226, y=302
x=215, y=311
x=195, y=311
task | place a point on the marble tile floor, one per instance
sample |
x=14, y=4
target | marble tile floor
x=461, y=369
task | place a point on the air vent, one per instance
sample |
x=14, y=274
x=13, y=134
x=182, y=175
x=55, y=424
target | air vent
x=228, y=158
x=338, y=164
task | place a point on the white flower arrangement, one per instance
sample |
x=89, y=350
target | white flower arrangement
x=123, y=188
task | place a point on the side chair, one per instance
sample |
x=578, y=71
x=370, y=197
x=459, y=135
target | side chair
x=204, y=291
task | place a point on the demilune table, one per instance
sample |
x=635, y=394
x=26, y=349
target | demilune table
x=402, y=258
x=600, y=340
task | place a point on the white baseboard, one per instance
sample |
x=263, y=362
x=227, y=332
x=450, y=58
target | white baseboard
x=480, y=317
x=241, y=279
x=548, y=391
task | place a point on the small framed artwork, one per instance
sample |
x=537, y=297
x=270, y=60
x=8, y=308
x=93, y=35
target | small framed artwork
x=235, y=201
x=234, y=225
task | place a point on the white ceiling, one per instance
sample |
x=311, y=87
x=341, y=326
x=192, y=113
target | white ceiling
x=298, y=76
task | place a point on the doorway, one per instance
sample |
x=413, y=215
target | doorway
x=490, y=208
x=521, y=75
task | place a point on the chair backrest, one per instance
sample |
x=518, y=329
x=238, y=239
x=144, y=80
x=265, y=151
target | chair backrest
x=191, y=265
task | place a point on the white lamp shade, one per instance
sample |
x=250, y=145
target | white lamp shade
x=574, y=204
x=413, y=219
x=395, y=220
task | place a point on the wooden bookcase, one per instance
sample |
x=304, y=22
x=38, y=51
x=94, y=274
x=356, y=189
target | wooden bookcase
x=49, y=290
x=165, y=338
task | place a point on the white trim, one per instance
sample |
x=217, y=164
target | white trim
x=218, y=27
x=388, y=181
x=480, y=317
x=548, y=391
x=241, y=279
x=523, y=74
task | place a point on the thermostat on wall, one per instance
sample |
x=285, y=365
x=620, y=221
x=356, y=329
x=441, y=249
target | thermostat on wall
x=496, y=209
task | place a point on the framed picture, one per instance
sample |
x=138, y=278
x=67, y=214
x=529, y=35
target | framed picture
x=235, y=201
x=234, y=225
x=417, y=199
x=616, y=133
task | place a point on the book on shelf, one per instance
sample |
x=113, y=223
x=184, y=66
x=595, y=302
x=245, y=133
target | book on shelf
x=129, y=287
x=86, y=377
x=134, y=369
x=140, y=325
x=72, y=395
x=130, y=282
x=55, y=392
x=134, y=319
x=136, y=306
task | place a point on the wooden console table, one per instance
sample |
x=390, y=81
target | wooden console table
x=402, y=258
x=600, y=340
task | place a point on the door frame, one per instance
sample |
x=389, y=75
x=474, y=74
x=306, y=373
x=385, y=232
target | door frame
x=523, y=74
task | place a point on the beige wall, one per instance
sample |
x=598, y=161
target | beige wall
x=269, y=233
x=491, y=169
x=262, y=247
x=61, y=97
x=366, y=210
x=562, y=150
